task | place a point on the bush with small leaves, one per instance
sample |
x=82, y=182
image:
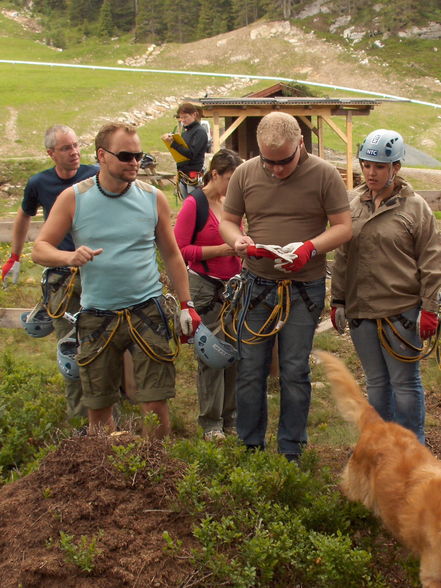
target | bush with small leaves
x=81, y=552
x=262, y=521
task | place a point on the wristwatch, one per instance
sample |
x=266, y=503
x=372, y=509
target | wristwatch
x=187, y=304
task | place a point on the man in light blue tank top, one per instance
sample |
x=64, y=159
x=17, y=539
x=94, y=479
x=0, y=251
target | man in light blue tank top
x=117, y=222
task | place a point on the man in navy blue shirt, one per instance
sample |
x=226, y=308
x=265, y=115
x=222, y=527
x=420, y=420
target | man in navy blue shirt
x=42, y=190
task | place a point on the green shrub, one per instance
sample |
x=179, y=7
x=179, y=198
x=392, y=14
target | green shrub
x=81, y=552
x=31, y=409
x=132, y=460
x=262, y=521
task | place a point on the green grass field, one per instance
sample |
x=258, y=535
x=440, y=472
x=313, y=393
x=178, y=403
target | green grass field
x=34, y=97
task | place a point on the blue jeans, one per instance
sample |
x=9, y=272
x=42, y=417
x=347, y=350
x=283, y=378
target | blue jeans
x=295, y=343
x=185, y=189
x=394, y=388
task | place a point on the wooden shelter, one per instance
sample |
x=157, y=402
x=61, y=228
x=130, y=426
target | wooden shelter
x=235, y=120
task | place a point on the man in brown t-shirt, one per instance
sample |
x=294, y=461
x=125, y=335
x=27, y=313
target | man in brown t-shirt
x=288, y=198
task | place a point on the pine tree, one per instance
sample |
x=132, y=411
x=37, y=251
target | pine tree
x=181, y=19
x=105, y=23
x=150, y=21
x=80, y=11
x=205, y=20
x=123, y=14
x=279, y=9
x=247, y=11
x=223, y=17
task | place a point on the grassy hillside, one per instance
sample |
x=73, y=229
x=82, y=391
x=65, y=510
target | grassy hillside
x=33, y=97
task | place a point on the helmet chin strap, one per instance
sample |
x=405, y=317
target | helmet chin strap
x=391, y=179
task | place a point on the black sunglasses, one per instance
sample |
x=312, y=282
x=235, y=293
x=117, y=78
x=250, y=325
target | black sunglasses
x=280, y=161
x=125, y=156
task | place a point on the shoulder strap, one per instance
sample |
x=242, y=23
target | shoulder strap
x=202, y=209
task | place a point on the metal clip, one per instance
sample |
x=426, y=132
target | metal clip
x=72, y=318
x=233, y=288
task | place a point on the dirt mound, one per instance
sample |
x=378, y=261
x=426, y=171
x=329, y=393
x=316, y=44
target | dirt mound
x=121, y=491
x=79, y=491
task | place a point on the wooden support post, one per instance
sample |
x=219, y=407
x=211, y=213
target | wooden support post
x=232, y=128
x=321, y=145
x=216, y=133
x=349, y=178
x=344, y=138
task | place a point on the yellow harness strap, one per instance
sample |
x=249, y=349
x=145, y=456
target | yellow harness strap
x=64, y=304
x=423, y=351
x=136, y=338
x=279, y=315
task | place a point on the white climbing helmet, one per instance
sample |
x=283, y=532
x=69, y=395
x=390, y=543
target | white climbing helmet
x=214, y=352
x=382, y=146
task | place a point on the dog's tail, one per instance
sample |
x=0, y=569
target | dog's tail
x=348, y=396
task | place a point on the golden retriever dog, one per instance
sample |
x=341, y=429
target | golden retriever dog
x=391, y=473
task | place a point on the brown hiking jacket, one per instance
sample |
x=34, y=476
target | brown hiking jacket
x=393, y=261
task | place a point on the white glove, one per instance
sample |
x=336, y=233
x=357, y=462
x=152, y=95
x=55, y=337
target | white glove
x=289, y=256
x=188, y=319
x=276, y=251
x=340, y=319
x=185, y=322
x=291, y=247
x=15, y=272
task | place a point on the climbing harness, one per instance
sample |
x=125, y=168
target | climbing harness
x=66, y=280
x=192, y=179
x=239, y=300
x=422, y=352
x=167, y=328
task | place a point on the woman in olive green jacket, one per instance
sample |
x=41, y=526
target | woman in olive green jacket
x=385, y=281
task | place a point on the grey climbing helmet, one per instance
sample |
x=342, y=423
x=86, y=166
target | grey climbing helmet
x=37, y=323
x=382, y=146
x=67, y=349
x=212, y=351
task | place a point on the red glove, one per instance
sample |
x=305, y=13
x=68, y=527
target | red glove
x=12, y=267
x=189, y=320
x=304, y=254
x=427, y=324
x=258, y=252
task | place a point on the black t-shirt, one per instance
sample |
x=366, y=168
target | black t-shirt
x=197, y=141
x=43, y=189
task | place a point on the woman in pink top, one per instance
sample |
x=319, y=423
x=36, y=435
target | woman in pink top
x=211, y=262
